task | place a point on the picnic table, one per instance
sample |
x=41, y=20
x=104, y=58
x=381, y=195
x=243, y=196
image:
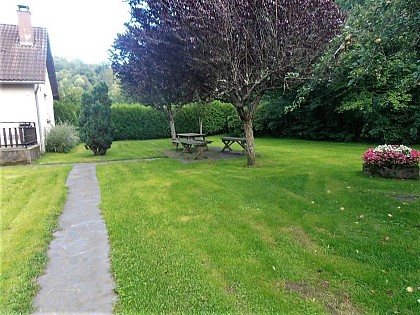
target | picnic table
x=228, y=141
x=182, y=137
x=199, y=144
x=190, y=140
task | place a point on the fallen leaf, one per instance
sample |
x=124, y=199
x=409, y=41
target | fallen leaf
x=362, y=216
x=390, y=215
x=410, y=289
x=347, y=297
x=386, y=238
x=342, y=209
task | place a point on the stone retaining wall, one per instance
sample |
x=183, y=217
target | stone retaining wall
x=19, y=155
x=392, y=171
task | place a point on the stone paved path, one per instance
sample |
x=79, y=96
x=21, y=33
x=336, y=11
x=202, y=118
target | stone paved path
x=78, y=279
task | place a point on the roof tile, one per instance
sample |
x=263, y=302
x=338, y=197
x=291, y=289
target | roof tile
x=22, y=62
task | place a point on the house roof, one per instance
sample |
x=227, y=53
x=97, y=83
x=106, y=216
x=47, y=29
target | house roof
x=26, y=63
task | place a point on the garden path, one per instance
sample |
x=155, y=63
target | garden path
x=78, y=278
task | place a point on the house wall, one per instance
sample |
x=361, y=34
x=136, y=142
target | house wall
x=17, y=103
x=45, y=107
x=24, y=102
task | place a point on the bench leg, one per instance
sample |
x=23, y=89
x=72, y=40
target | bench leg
x=187, y=148
x=200, y=153
x=227, y=145
x=243, y=145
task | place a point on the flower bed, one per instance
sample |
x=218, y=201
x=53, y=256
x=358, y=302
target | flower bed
x=392, y=161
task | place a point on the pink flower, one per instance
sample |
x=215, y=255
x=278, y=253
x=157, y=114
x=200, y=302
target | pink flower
x=391, y=154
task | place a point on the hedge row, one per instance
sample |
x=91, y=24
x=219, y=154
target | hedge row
x=138, y=122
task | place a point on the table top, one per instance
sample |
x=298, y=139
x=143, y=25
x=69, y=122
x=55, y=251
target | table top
x=191, y=134
x=233, y=139
x=193, y=142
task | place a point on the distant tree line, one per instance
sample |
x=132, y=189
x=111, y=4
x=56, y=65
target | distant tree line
x=75, y=78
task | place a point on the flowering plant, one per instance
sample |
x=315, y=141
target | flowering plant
x=391, y=154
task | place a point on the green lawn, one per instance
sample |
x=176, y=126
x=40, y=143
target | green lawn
x=120, y=150
x=30, y=201
x=303, y=233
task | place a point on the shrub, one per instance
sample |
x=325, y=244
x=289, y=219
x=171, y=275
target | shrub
x=138, y=122
x=95, y=120
x=61, y=138
x=216, y=117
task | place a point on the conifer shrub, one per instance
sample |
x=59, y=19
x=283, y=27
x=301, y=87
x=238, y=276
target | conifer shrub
x=95, y=120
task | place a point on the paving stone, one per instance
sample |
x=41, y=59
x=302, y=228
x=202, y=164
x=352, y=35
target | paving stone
x=78, y=278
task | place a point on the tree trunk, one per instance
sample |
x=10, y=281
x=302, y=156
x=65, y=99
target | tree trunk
x=247, y=114
x=200, y=122
x=249, y=134
x=172, y=126
x=170, y=116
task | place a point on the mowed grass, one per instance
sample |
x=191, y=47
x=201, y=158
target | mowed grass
x=30, y=201
x=303, y=233
x=120, y=150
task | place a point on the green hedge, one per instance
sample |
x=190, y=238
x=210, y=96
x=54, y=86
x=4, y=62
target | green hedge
x=138, y=122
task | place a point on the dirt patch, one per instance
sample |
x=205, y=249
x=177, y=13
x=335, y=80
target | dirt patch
x=212, y=154
x=403, y=197
x=340, y=304
x=299, y=235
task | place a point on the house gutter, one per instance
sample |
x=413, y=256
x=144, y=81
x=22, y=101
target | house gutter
x=41, y=136
x=21, y=82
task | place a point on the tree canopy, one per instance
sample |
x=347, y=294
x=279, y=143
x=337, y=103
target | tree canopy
x=370, y=74
x=235, y=50
x=150, y=63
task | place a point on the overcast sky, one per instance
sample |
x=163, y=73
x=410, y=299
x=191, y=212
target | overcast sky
x=78, y=29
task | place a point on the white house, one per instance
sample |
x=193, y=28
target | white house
x=28, y=84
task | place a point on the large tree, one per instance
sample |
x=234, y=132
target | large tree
x=240, y=49
x=149, y=61
x=370, y=74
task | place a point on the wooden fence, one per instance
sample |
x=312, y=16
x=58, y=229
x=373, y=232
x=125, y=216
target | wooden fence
x=17, y=134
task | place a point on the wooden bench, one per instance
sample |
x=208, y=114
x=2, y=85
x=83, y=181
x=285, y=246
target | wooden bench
x=200, y=145
x=228, y=141
x=176, y=142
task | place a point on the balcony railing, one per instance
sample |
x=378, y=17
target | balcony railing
x=17, y=134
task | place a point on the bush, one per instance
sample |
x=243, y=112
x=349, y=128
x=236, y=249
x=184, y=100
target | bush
x=216, y=118
x=95, y=120
x=61, y=138
x=138, y=122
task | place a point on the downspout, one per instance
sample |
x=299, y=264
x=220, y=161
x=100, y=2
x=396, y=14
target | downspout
x=41, y=136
